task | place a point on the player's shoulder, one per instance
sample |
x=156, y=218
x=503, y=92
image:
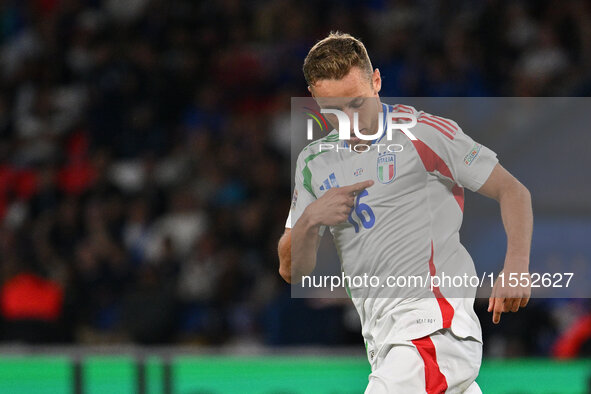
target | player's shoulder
x=430, y=126
x=318, y=148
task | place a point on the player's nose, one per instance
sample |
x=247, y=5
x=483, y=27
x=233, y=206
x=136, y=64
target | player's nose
x=350, y=112
x=351, y=116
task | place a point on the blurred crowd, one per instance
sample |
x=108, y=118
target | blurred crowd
x=144, y=173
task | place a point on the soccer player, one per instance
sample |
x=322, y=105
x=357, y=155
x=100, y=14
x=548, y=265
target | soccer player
x=393, y=213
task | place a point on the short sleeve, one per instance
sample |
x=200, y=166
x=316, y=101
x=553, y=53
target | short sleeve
x=301, y=198
x=447, y=151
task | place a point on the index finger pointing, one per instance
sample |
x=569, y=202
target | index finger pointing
x=498, y=310
x=357, y=187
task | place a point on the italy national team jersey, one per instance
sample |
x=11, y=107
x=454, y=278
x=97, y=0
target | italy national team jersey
x=407, y=223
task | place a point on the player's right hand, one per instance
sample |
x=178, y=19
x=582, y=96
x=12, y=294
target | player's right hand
x=335, y=205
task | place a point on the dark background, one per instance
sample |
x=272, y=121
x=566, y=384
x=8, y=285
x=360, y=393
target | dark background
x=145, y=176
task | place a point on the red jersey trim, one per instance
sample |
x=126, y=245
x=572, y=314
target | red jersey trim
x=447, y=311
x=433, y=162
x=435, y=381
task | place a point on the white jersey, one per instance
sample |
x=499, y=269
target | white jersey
x=407, y=223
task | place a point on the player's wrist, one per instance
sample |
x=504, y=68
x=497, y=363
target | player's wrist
x=309, y=219
x=516, y=263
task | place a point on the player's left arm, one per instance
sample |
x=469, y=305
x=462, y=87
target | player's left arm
x=516, y=212
x=458, y=158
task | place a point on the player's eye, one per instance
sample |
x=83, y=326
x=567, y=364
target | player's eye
x=357, y=103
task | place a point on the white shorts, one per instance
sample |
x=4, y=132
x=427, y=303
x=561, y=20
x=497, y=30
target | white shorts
x=438, y=363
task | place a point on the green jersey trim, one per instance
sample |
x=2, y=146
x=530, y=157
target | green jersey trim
x=307, y=174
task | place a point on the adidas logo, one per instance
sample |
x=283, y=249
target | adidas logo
x=329, y=182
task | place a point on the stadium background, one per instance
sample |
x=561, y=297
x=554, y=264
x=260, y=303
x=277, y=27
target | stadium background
x=145, y=180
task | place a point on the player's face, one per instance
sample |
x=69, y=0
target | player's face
x=355, y=92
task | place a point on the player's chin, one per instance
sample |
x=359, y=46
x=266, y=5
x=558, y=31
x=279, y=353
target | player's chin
x=358, y=141
x=354, y=140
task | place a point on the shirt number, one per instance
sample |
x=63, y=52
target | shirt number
x=363, y=213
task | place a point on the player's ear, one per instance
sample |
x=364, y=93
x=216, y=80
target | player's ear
x=376, y=80
x=310, y=90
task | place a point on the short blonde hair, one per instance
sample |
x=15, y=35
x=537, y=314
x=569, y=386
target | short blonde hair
x=334, y=56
